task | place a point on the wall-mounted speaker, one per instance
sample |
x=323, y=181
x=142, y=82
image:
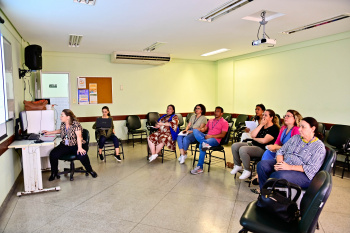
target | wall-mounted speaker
x=33, y=59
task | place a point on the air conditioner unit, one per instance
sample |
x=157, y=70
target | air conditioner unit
x=145, y=58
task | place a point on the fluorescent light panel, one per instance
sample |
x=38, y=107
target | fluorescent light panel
x=74, y=40
x=215, y=52
x=87, y=2
x=320, y=23
x=224, y=9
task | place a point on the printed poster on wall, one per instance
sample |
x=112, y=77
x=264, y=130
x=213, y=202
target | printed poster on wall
x=81, y=83
x=83, y=96
x=93, y=93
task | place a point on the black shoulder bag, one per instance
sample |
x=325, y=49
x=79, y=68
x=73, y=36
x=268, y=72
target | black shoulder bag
x=275, y=202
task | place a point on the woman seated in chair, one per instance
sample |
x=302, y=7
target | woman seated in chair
x=265, y=134
x=166, y=134
x=259, y=111
x=197, y=121
x=72, y=143
x=289, y=129
x=104, y=135
x=299, y=159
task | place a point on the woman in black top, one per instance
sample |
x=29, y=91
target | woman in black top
x=72, y=143
x=265, y=134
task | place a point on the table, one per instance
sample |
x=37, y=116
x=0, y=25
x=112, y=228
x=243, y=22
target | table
x=31, y=162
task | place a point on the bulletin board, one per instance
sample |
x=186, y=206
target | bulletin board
x=104, y=88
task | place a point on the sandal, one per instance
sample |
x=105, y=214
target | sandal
x=256, y=191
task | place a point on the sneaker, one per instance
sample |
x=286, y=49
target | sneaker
x=153, y=157
x=101, y=156
x=245, y=175
x=205, y=146
x=197, y=170
x=184, y=157
x=180, y=158
x=236, y=169
x=117, y=157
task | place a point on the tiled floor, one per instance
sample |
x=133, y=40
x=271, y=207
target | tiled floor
x=137, y=196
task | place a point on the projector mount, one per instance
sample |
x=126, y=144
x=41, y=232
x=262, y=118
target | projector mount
x=263, y=40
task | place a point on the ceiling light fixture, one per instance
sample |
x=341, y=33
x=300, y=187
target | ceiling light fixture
x=86, y=2
x=215, y=52
x=320, y=23
x=263, y=40
x=74, y=40
x=224, y=9
x=153, y=46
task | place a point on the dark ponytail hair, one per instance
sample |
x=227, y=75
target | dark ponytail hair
x=262, y=108
x=313, y=123
x=105, y=107
x=275, y=119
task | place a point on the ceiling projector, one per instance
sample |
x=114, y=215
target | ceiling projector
x=264, y=41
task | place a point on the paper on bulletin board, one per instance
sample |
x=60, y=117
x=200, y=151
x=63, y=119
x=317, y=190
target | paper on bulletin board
x=93, y=93
x=81, y=83
x=83, y=96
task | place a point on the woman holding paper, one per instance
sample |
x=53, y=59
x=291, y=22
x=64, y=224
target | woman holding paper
x=259, y=110
x=265, y=134
x=186, y=137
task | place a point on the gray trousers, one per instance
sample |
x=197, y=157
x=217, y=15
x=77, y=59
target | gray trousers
x=242, y=152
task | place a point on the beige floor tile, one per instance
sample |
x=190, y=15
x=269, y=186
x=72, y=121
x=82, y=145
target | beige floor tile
x=238, y=210
x=191, y=213
x=78, y=221
x=142, y=228
x=126, y=202
x=338, y=201
x=334, y=222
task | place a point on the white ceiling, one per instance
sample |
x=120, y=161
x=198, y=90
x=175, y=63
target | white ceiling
x=132, y=25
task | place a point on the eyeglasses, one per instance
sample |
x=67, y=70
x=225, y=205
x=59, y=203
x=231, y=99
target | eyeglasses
x=287, y=116
x=199, y=108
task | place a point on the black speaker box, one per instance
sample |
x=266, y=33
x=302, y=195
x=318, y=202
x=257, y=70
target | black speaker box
x=33, y=59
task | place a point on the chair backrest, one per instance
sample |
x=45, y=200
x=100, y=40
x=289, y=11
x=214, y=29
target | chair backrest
x=227, y=117
x=133, y=122
x=321, y=128
x=226, y=139
x=338, y=135
x=181, y=119
x=188, y=117
x=241, y=119
x=329, y=160
x=86, y=137
x=152, y=118
x=314, y=200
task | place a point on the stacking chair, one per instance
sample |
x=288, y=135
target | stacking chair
x=227, y=117
x=133, y=123
x=72, y=157
x=239, y=124
x=255, y=219
x=152, y=118
x=109, y=147
x=321, y=128
x=337, y=138
x=162, y=153
x=181, y=121
x=188, y=117
x=220, y=148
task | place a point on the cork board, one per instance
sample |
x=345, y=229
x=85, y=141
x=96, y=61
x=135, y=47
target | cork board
x=104, y=88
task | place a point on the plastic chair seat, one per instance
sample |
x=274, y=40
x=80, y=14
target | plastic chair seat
x=69, y=157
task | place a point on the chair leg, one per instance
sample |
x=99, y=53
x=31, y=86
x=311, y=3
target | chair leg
x=104, y=153
x=121, y=146
x=72, y=168
x=133, y=141
x=162, y=154
x=194, y=157
x=209, y=160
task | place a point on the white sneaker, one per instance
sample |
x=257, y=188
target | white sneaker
x=205, y=146
x=245, y=175
x=236, y=169
x=153, y=157
x=180, y=158
x=197, y=170
x=184, y=157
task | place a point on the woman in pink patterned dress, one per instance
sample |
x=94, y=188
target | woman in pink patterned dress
x=166, y=135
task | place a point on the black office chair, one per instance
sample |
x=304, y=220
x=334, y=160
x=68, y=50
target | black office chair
x=337, y=138
x=255, y=219
x=240, y=126
x=72, y=157
x=227, y=117
x=109, y=147
x=133, y=123
x=152, y=118
x=321, y=128
x=220, y=148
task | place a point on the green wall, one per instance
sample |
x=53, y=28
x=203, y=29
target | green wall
x=312, y=77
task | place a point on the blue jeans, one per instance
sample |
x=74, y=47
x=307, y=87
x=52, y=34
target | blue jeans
x=200, y=137
x=266, y=170
x=184, y=141
x=268, y=155
x=103, y=140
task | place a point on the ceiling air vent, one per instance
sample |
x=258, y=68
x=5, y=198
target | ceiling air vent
x=146, y=58
x=320, y=23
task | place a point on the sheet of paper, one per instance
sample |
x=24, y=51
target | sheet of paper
x=183, y=134
x=251, y=125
